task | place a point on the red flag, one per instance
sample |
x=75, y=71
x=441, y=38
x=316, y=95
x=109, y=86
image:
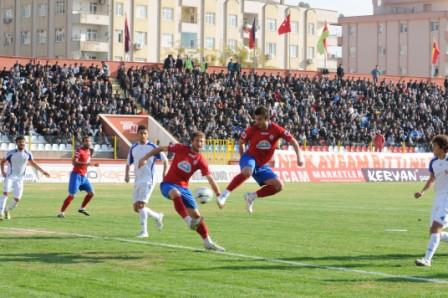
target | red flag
x=435, y=53
x=285, y=27
x=127, y=36
x=252, y=36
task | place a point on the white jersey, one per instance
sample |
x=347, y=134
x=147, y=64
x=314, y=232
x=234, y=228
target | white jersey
x=17, y=161
x=146, y=173
x=439, y=167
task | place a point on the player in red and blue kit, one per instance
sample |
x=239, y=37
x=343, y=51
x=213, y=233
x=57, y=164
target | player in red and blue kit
x=263, y=139
x=187, y=160
x=78, y=179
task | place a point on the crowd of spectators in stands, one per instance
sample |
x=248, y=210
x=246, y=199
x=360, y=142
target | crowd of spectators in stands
x=58, y=101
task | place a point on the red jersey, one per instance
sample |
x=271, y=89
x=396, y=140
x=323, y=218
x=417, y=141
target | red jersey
x=83, y=155
x=262, y=142
x=184, y=164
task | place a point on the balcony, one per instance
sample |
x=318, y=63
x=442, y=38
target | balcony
x=88, y=18
x=90, y=46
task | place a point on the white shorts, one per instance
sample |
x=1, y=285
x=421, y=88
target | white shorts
x=142, y=192
x=440, y=210
x=15, y=185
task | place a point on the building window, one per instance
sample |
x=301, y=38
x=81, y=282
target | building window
x=271, y=24
x=141, y=38
x=60, y=7
x=295, y=27
x=403, y=27
x=232, y=44
x=188, y=40
x=351, y=29
x=93, y=7
x=233, y=20
x=380, y=28
x=43, y=9
x=310, y=52
x=352, y=52
x=271, y=49
x=118, y=58
x=60, y=35
x=25, y=37
x=403, y=70
x=26, y=11
x=293, y=51
x=8, y=16
x=142, y=11
x=167, y=40
x=210, y=18
x=311, y=29
x=8, y=39
x=119, y=36
x=210, y=43
x=167, y=14
x=91, y=34
x=403, y=50
x=119, y=9
x=142, y=60
x=382, y=51
x=41, y=36
x=435, y=26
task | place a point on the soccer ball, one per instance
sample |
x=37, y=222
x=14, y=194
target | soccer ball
x=203, y=194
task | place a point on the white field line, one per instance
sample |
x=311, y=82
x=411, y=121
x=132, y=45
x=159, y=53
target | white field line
x=238, y=255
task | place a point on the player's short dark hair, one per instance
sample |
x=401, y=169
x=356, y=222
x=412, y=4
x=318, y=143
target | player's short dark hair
x=141, y=127
x=441, y=141
x=85, y=137
x=20, y=138
x=197, y=134
x=262, y=111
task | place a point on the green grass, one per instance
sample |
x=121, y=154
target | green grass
x=327, y=225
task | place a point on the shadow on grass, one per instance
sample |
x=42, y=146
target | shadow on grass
x=65, y=258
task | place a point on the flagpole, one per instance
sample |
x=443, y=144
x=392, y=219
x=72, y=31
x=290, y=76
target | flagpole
x=288, y=49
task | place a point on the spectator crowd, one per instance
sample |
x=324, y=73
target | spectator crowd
x=59, y=101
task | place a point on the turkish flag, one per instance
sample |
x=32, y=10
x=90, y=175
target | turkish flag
x=285, y=27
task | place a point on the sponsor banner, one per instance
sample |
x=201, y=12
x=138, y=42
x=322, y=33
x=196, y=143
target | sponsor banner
x=395, y=175
x=127, y=125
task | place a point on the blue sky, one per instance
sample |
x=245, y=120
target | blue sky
x=346, y=7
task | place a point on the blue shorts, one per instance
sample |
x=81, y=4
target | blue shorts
x=78, y=182
x=187, y=196
x=260, y=174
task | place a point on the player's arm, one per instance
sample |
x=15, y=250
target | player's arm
x=76, y=162
x=296, y=147
x=126, y=173
x=165, y=163
x=153, y=152
x=427, y=186
x=2, y=166
x=241, y=146
x=38, y=167
x=213, y=184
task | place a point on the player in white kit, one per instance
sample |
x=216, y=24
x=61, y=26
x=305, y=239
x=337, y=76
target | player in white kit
x=144, y=180
x=438, y=168
x=17, y=161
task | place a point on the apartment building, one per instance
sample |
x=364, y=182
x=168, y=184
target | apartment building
x=398, y=37
x=94, y=29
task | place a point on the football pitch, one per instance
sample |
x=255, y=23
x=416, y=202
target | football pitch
x=331, y=240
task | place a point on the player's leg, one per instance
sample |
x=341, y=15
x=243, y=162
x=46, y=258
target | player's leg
x=6, y=189
x=433, y=244
x=157, y=216
x=197, y=221
x=171, y=192
x=17, y=186
x=270, y=185
x=73, y=187
x=141, y=195
x=247, y=165
x=86, y=186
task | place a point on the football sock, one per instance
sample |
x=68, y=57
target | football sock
x=86, y=200
x=266, y=191
x=3, y=200
x=236, y=181
x=202, y=230
x=434, y=242
x=12, y=204
x=67, y=203
x=180, y=207
x=152, y=213
x=144, y=220
x=444, y=236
